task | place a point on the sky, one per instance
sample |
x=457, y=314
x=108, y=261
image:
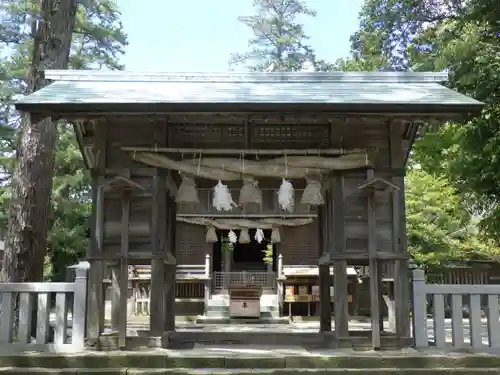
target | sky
x=201, y=35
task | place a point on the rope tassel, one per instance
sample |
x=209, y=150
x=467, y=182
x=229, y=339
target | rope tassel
x=250, y=192
x=211, y=236
x=187, y=192
x=275, y=236
x=312, y=195
x=244, y=236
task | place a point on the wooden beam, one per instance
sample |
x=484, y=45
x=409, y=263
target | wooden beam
x=302, y=115
x=248, y=134
x=227, y=151
x=379, y=255
x=337, y=217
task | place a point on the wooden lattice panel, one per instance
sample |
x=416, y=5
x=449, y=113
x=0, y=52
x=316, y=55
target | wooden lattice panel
x=233, y=133
x=206, y=135
x=194, y=133
x=289, y=136
x=299, y=245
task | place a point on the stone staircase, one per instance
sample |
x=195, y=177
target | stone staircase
x=260, y=362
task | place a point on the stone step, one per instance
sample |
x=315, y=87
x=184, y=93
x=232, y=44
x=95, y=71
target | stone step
x=250, y=339
x=257, y=371
x=350, y=362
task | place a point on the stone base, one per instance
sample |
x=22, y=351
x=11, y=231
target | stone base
x=227, y=362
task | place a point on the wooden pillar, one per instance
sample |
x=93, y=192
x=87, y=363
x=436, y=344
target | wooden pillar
x=373, y=265
x=337, y=213
x=95, y=301
x=124, y=269
x=95, y=308
x=401, y=273
x=158, y=227
x=119, y=270
x=324, y=279
x=171, y=267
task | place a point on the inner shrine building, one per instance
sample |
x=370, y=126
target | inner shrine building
x=254, y=192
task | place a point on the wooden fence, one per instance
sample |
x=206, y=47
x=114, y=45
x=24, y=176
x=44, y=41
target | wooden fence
x=478, y=330
x=58, y=326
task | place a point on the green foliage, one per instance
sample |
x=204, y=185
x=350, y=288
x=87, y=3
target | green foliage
x=226, y=245
x=278, y=38
x=389, y=27
x=98, y=42
x=268, y=254
x=461, y=38
x=440, y=230
x=476, y=167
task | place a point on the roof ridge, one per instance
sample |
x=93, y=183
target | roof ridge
x=230, y=77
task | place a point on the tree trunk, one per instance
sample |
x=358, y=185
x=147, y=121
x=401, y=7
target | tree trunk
x=30, y=205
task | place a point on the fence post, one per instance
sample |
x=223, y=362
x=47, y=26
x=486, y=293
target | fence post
x=279, y=267
x=208, y=282
x=279, y=283
x=419, y=309
x=79, y=309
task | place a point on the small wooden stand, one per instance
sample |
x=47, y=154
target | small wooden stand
x=244, y=302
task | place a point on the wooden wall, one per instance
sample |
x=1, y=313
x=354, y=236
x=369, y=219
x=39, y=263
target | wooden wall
x=299, y=245
x=191, y=245
x=356, y=216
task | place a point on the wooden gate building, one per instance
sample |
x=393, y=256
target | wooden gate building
x=338, y=141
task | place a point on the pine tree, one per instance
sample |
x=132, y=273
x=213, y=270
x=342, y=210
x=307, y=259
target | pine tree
x=56, y=227
x=279, y=42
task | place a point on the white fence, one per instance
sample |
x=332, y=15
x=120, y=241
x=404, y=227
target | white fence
x=479, y=330
x=57, y=328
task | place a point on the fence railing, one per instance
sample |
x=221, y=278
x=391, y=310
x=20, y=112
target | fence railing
x=184, y=292
x=224, y=280
x=469, y=326
x=192, y=285
x=59, y=326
